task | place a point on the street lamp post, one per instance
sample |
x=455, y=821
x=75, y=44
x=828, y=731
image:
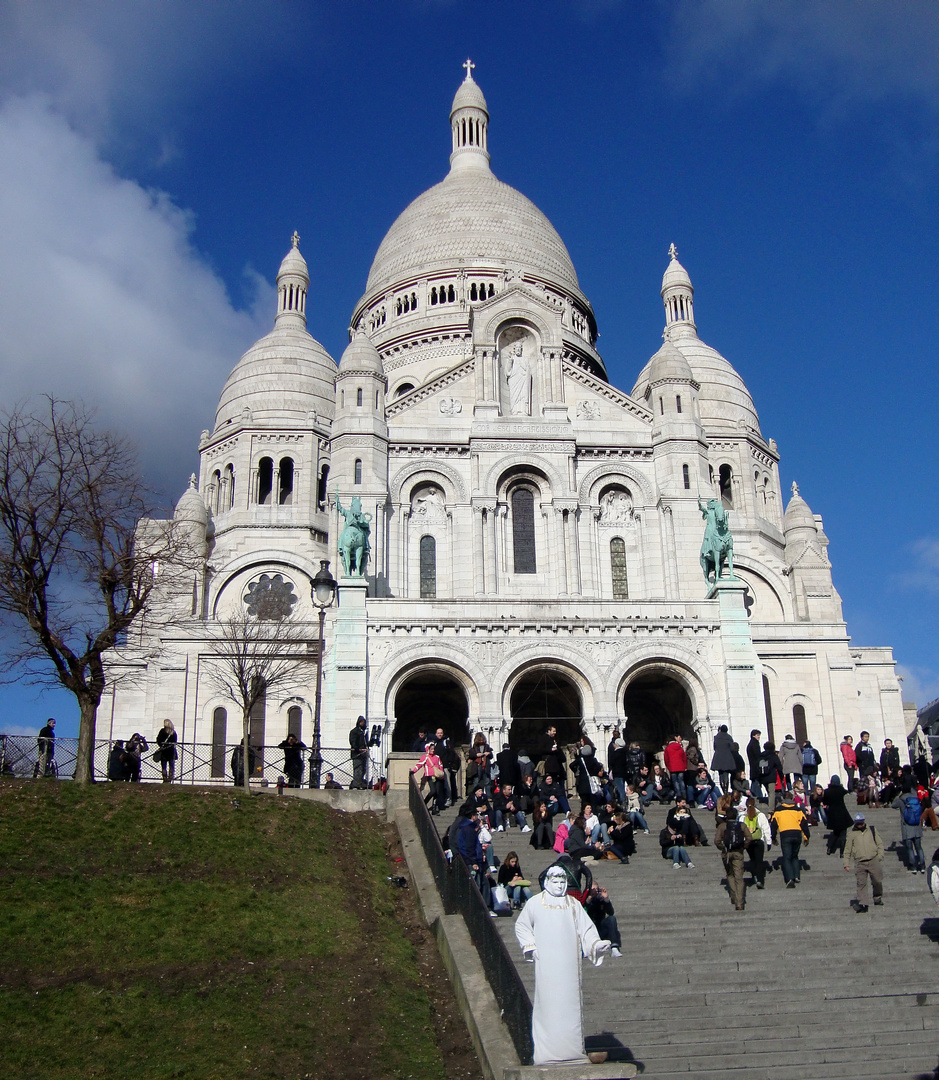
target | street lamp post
x=322, y=591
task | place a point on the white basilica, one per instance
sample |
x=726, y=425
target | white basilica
x=535, y=531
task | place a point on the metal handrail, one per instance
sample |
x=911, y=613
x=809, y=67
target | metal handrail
x=461, y=896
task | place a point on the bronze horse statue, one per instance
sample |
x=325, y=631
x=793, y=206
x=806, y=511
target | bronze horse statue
x=353, y=540
x=717, y=550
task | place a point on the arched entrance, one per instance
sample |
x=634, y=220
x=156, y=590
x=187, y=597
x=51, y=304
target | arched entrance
x=657, y=707
x=429, y=699
x=542, y=697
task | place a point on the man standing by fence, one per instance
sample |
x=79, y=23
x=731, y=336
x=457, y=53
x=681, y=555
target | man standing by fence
x=358, y=749
x=46, y=745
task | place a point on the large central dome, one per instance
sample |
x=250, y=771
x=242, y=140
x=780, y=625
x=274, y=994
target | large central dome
x=471, y=219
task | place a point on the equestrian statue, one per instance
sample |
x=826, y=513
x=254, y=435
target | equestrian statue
x=717, y=550
x=353, y=540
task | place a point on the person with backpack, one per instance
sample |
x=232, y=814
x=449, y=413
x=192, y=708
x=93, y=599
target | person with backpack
x=731, y=840
x=761, y=840
x=811, y=759
x=911, y=830
x=867, y=850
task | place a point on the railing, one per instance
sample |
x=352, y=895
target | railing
x=461, y=896
x=197, y=763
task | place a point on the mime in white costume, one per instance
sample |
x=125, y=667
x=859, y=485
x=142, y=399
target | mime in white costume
x=554, y=931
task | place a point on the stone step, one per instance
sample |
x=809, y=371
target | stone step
x=774, y=993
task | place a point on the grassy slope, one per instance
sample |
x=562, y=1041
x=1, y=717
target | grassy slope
x=160, y=932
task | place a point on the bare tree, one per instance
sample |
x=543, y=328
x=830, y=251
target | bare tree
x=73, y=576
x=256, y=654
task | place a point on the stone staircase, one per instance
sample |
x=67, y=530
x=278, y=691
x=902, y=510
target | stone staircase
x=797, y=986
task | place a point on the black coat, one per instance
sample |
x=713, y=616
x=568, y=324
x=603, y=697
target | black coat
x=839, y=817
x=509, y=772
x=754, y=752
x=723, y=759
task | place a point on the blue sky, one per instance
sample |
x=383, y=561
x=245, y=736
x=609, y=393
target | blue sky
x=155, y=157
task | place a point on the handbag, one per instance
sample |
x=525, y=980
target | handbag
x=437, y=772
x=156, y=755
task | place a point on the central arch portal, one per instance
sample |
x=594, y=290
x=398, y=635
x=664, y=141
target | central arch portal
x=427, y=700
x=657, y=707
x=542, y=697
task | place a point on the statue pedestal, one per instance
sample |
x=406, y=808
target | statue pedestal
x=345, y=690
x=743, y=670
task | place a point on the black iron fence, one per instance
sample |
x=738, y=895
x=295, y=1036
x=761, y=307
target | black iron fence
x=461, y=896
x=196, y=763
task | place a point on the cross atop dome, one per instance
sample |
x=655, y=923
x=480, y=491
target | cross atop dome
x=469, y=123
x=295, y=239
x=673, y=252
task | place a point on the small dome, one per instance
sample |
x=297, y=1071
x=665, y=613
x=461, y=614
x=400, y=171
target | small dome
x=287, y=375
x=361, y=356
x=668, y=363
x=676, y=274
x=798, y=515
x=469, y=96
x=190, y=506
x=294, y=263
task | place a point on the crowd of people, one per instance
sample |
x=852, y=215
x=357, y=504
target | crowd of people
x=765, y=801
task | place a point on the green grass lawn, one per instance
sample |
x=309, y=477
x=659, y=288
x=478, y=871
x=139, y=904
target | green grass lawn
x=150, y=931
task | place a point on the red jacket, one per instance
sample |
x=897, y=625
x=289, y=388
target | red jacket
x=847, y=753
x=676, y=760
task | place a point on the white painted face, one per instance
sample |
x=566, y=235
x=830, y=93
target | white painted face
x=555, y=882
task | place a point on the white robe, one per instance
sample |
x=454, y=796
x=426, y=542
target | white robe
x=560, y=931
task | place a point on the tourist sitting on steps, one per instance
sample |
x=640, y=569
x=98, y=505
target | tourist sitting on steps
x=511, y=876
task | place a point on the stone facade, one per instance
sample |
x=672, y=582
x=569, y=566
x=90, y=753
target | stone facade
x=535, y=531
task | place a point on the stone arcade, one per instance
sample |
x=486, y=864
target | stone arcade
x=535, y=532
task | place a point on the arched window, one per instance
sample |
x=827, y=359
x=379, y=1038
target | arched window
x=798, y=721
x=219, y=734
x=618, y=565
x=523, y=530
x=727, y=487
x=428, y=552
x=229, y=480
x=492, y=290
x=321, y=486
x=265, y=480
x=473, y=291
x=357, y=475
x=768, y=710
x=661, y=406
x=217, y=493
x=686, y=477
x=404, y=388
x=294, y=720
x=256, y=724
x=678, y=403
x=358, y=396
x=451, y=295
x=285, y=482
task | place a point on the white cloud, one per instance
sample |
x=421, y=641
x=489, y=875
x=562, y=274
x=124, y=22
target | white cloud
x=842, y=51
x=102, y=295
x=107, y=65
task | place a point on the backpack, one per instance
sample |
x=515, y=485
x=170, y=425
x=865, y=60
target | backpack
x=808, y=756
x=767, y=768
x=912, y=810
x=734, y=839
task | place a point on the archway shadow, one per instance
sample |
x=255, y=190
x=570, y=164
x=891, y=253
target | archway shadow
x=426, y=701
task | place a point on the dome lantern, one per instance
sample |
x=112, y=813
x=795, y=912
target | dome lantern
x=293, y=281
x=678, y=295
x=469, y=125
